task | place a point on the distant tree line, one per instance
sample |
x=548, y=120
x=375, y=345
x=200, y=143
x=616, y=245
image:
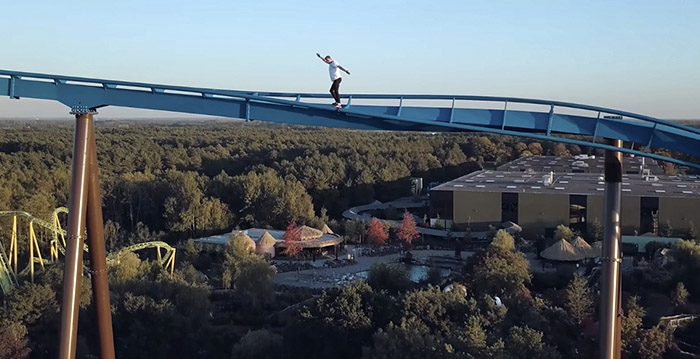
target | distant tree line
x=197, y=179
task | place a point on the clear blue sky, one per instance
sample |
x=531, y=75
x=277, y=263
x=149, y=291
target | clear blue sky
x=642, y=56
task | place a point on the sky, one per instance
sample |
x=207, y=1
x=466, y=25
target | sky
x=640, y=56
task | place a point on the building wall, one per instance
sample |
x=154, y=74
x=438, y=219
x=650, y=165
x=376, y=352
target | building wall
x=630, y=214
x=539, y=211
x=679, y=212
x=594, y=210
x=477, y=208
x=536, y=212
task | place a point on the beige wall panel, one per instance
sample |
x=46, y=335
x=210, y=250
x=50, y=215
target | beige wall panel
x=630, y=214
x=679, y=212
x=477, y=207
x=539, y=211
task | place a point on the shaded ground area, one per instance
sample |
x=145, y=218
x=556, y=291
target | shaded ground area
x=323, y=277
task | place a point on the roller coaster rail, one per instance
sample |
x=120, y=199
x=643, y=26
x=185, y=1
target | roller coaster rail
x=9, y=262
x=614, y=131
x=548, y=125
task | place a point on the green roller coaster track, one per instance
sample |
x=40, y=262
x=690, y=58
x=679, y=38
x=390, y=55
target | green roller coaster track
x=8, y=259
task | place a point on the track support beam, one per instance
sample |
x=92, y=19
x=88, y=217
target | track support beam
x=85, y=212
x=610, y=284
x=98, y=256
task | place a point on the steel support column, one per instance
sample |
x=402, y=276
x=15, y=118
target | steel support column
x=610, y=310
x=98, y=256
x=77, y=210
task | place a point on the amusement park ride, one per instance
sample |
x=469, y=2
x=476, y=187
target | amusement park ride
x=9, y=263
x=585, y=125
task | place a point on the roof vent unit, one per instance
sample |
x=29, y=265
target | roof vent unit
x=579, y=164
x=548, y=179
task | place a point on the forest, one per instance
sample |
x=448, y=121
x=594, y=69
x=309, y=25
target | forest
x=183, y=180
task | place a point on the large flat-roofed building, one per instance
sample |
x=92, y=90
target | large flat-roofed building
x=541, y=192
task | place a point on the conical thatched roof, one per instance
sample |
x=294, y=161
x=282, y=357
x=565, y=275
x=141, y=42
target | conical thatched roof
x=582, y=247
x=306, y=233
x=250, y=243
x=266, y=240
x=326, y=229
x=561, y=251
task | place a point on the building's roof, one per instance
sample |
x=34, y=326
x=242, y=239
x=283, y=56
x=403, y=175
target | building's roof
x=257, y=233
x=643, y=240
x=581, y=163
x=581, y=246
x=326, y=229
x=562, y=251
x=306, y=233
x=572, y=183
x=266, y=240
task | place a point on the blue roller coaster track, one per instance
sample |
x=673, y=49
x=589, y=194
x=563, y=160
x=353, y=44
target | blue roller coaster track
x=555, y=121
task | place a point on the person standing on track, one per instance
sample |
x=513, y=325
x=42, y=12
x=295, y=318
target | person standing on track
x=334, y=69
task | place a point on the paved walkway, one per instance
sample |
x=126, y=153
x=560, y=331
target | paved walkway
x=323, y=277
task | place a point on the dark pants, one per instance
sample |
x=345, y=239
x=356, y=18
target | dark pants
x=334, y=89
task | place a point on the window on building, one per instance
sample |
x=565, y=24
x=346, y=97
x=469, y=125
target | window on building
x=578, y=212
x=649, y=215
x=441, y=204
x=509, y=207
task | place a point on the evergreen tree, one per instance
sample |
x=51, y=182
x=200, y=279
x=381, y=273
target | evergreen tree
x=632, y=325
x=596, y=231
x=237, y=254
x=563, y=232
x=679, y=296
x=579, y=302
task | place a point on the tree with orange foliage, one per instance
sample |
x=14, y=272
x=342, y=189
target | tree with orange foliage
x=407, y=230
x=376, y=233
x=292, y=247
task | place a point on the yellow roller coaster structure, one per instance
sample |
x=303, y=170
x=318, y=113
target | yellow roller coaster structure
x=8, y=263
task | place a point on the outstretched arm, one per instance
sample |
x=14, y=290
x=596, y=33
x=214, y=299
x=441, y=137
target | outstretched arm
x=322, y=59
x=342, y=68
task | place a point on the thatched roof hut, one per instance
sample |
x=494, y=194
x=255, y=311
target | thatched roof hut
x=267, y=240
x=326, y=229
x=266, y=245
x=582, y=247
x=306, y=233
x=561, y=251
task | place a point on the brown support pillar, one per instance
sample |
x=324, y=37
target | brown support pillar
x=77, y=209
x=98, y=256
x=610, y=284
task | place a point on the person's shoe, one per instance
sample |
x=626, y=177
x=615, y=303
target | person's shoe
x=337, y=105
x=334, y=104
